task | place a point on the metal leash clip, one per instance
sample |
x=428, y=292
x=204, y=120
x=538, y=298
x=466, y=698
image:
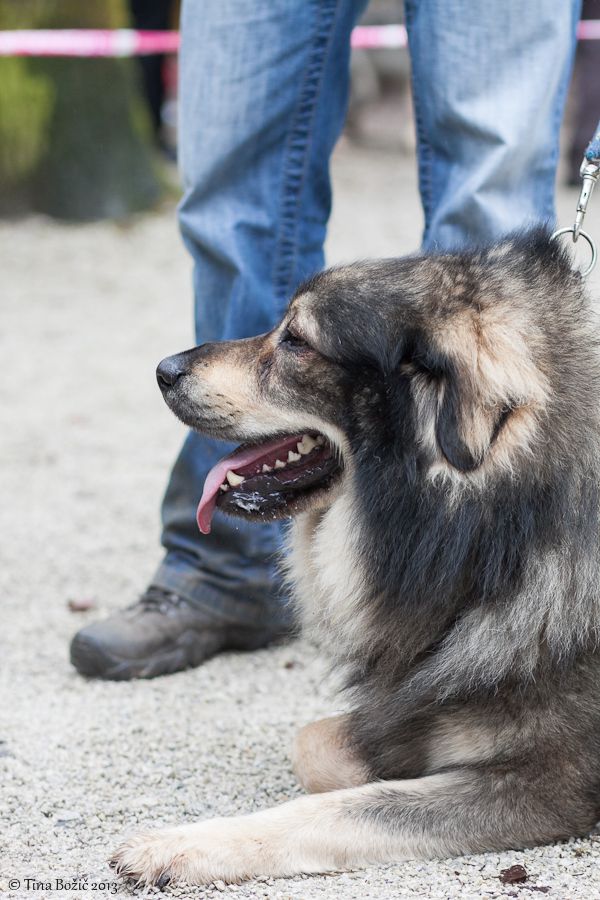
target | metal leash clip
x=590, y=173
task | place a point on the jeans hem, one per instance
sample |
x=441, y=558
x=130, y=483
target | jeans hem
x=193, y=585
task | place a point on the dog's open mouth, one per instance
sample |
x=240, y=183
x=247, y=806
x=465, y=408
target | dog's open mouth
x=271, y=480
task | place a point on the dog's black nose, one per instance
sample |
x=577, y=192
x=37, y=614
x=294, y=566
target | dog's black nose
x=168, y=372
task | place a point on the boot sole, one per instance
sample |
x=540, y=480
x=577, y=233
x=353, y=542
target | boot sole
x=94, y=661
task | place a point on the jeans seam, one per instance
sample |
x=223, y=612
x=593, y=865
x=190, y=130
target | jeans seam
x=297, y=149
x=424, y=153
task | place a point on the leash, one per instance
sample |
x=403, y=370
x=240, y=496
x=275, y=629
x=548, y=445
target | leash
x=590, y=173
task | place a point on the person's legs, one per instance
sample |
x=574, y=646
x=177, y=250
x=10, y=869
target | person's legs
x=263, y=99
x=263, y=95
x=152, y=15
x=489, y=83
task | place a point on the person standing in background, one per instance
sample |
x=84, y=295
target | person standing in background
x=154, y=15
x=586, y=90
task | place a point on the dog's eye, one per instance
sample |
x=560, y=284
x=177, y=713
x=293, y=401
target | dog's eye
x=289, y=339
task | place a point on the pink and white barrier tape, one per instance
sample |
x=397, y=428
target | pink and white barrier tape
x=88, y=42
x=128, y=42
x=370, y=37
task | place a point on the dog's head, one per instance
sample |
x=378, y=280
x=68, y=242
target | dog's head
x=448, y=366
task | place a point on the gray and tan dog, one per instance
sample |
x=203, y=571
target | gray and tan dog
x=432, y=424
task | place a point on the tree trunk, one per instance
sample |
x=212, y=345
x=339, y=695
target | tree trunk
x=74, y=133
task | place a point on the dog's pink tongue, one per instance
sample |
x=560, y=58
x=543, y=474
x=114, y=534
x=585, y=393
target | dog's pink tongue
x=235, y=462
x=208, y=501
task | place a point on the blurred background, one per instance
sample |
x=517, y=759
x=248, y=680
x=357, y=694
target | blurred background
x=90, y=138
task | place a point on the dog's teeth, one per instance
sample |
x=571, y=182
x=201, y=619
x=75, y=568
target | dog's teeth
x=306, y=444
x=293, y=457
x=266, y=468
x=233, y=479
x=224, y=487
x=279, y=464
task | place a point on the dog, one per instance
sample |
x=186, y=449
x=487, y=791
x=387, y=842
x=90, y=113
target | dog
x=431, y=424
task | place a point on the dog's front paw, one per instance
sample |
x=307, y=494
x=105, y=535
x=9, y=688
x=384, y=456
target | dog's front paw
x=196, y=854
x=148, y=857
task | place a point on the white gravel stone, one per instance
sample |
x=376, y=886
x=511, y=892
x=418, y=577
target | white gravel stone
x=87, y=442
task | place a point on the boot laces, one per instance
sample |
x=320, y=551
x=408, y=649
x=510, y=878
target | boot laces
x=158, y=599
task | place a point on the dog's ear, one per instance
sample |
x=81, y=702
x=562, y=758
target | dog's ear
x=470, y=380
x=468, y=421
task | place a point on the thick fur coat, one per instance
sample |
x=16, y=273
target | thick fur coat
x=448, y=561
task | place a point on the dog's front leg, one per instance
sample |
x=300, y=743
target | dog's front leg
x=465, y=811
x=310, y=834
x=343, y=829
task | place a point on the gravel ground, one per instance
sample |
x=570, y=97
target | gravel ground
x=86, y=444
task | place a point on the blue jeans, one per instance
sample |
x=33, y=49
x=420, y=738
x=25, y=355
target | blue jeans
x=264, y=86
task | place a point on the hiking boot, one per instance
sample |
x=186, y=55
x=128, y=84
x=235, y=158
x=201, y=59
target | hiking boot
x=161, y=633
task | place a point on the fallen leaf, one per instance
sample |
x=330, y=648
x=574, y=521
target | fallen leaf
x=81, y=605
x=513, y=875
